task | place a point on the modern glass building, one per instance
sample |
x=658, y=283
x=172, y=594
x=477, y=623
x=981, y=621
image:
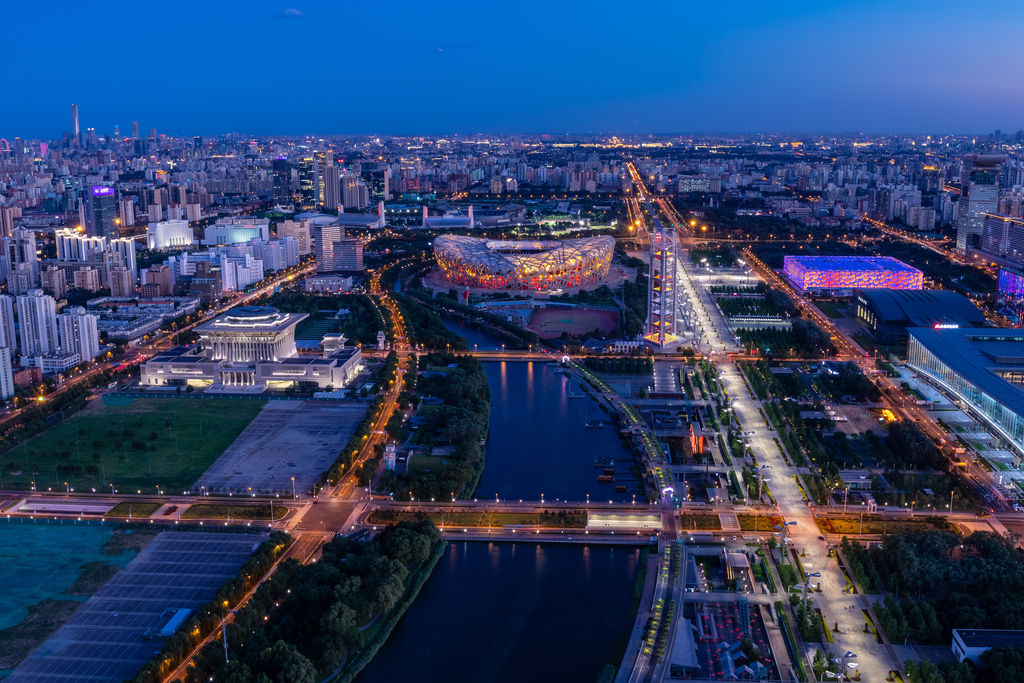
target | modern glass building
x=984, y=368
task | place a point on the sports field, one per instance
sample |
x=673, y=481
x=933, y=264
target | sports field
x=136, y=445
x=550, y=323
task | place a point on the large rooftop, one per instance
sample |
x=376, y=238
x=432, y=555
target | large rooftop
x=977, y=355
x=853, y=263
x=924, y=307
x=252, y=318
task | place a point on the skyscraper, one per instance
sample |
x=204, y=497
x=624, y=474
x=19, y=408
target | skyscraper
x=37, y=315
x=7, y=336
x=101, y=211
x=74, y=121
x=354, y=194
x=330, y=184
x=979, y=183
x=325, y=238
x=377, y=183
x=282, y=172
x=307, y=198
x=321, y=162
x=135, y=130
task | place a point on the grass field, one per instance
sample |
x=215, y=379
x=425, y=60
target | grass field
x=213, y=511
x=136, y=510
x=831, y=309
x=421, y=462
x=550, y=323
x=145, y=444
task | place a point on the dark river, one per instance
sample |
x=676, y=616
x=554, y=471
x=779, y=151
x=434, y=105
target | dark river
x=513, y=612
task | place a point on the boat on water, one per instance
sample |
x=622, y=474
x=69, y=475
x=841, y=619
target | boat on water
x=620, y=489
x=601, y=462
x=606, y=477
x=594, y=424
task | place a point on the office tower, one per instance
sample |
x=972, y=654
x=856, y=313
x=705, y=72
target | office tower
x=299, y=230
x=979, y=184
x=87, y=279
x=325, y=237
x=122, y=284
x=321, y=162
x=7, y=334
x=79, y=333
x=37, y=316
x=75, y=132
x=135, y=130
x=152, y=134
x=377, y=184
x=330, y=179
x=354, y=194
x=117, y=133
x=126, y=211
x=197, y=142
x=101, y=211
x=307, y=200
x=55, y=282
x=206, y=282
x=348, y=254
x=282, y=173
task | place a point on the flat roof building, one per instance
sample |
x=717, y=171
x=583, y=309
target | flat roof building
x=887, y=313
x=983, y=368
x=971, y=643
x=248, y=350
x=843, y=274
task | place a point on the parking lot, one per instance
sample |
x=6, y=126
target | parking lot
x=287, y=439
x=103, y=641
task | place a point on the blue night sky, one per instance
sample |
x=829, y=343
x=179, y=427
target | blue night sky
x=404, y=66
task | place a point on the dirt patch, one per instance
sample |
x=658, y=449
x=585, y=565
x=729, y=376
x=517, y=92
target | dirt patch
x=43, y=619
x=550, y=323
x=92, y=579
x=128, y=539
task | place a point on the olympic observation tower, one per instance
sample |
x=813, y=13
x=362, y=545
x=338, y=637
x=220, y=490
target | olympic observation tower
x=662, y=287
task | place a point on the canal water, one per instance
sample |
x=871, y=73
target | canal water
x=538, y=444
x=513, y=612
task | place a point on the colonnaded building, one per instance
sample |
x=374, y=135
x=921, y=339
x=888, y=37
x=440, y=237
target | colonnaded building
x=250, y=349
x=524, y=265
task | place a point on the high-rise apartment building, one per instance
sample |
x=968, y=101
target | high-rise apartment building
x=126, y=211
x=979, y=195
x=37, y=318
x=19, y=263
x=321, y=162
x=6, y=372
x=55, y=282
x=122, y=282
x=7, y=335
x=300, y=231
x=325, y=237
x=87, y=279
x=79, y=333
x=161, y=277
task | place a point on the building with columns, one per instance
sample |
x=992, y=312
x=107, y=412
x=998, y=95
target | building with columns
x=250, y=349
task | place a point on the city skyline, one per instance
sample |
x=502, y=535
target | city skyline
x=849, y=67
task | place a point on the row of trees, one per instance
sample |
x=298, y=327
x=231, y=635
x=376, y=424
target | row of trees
x=937, y=581
x=620, y=366
x=460, y=422
x=998, y=665
x=309, y=619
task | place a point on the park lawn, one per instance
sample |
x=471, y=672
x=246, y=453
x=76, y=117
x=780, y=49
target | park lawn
x=421, y=462
x=214, y=511
x=787, y=574
x=869, y=345
x=701, y=522
x=874, y=524
x=137, y=510
x=190, y=434
x=831, y=309
x=480, y=519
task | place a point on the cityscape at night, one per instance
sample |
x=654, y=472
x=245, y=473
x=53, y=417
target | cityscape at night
x=660, y=343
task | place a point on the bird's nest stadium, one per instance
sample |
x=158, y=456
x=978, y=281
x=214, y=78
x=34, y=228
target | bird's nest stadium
x=499, y=264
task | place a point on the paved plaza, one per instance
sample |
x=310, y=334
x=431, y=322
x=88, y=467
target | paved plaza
x=299, y=439
x=103, y=641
